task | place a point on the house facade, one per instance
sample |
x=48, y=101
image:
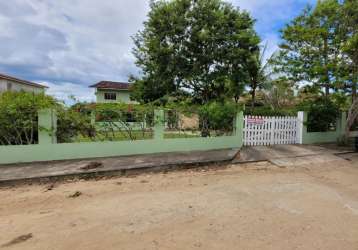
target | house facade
x=112, y=92
x=10, y=83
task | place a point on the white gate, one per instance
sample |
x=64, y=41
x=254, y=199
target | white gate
x=262, y=130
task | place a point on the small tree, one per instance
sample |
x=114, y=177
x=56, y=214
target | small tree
x=259, y=72
x=279, y=93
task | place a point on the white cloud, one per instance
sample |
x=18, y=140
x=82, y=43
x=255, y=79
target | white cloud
x=64, y=91
x=70, y=40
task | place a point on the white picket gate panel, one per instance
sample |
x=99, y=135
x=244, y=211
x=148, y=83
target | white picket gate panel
x=265, y=130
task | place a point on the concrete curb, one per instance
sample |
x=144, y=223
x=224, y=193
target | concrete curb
x=162, y=162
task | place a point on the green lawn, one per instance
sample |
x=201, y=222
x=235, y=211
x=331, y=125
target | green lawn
x=179, y=135
x=137, y=135
x=117, y=136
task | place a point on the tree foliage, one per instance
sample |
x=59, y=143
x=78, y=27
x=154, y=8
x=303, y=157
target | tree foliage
x=259, y=72
x=19, y=116
x=322, y=114
x=279, y=93
x=349, y=36
x=217, y=116
x=199, y=46
x=312, y=46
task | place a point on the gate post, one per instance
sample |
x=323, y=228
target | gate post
x=239, y=127
x=301, y=127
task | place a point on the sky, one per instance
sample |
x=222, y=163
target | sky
x=71, y=44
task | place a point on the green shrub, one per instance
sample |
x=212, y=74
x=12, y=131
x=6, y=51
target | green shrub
x=217, y=116
x=268, y=111
x=322, y=114
x=19, y=116
x=114, y=122
x=72, y=124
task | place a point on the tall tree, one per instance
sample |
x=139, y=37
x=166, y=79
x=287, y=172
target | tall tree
x=196, y=45
x=312, y=47
x=349, y=18
x=349, y=37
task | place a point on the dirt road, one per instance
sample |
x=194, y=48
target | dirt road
x=311, y=204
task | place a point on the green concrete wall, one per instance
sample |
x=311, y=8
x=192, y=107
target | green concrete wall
x=47, y=150
x=323, y=137
x=122, y=96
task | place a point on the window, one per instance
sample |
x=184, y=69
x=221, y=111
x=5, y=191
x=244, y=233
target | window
x=9, y=85
x=110, y=96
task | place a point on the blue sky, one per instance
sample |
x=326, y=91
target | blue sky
x=71, y=44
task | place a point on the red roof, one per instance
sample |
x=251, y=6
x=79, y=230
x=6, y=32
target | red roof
x=10, y=78
x=111, y=85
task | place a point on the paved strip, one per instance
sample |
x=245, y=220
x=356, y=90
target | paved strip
x=77, y=167
x=267, y=153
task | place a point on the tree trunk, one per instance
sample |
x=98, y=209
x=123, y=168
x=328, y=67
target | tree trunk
x=354, y=91
x=327, y=82
x=327, y=90
x=352, y=117
x=253, y=97
x=354, y=83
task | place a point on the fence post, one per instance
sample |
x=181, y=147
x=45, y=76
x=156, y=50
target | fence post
x=47, y=126
x=239, y=123
x=239, y=127
x=159, y=124
x=301, y=127
x=342, y=124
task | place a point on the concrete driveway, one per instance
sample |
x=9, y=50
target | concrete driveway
x=272, y=153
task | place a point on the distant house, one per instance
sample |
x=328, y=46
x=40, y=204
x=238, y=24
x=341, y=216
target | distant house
x=10, y=83
x=107, y=92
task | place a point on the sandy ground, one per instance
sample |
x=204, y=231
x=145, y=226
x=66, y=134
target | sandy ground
x=310, y=205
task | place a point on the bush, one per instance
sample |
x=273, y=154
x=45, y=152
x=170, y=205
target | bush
x=268, y=111
x=71, y=124
x=19, y=116
x=217, y=116
x=322, y=114
x=75, y=122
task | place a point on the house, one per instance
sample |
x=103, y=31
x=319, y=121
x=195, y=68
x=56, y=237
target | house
x=10, y=83
x=108, y=91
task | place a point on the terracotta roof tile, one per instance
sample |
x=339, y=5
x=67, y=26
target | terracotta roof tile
x=111, y=85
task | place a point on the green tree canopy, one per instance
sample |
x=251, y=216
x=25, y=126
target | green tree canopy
x=311, y=47
x=349, y=37
x=200, y=46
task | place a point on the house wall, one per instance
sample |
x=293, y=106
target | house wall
x=3, y=86
x=122, y=96
x=15, y=86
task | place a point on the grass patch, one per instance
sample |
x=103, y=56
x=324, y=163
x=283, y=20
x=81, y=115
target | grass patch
x=117, y=136
x=179, y=135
